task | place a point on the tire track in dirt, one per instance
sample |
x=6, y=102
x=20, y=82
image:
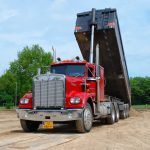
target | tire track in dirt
x=38, y=141
x=13, y=138
x=129, y=134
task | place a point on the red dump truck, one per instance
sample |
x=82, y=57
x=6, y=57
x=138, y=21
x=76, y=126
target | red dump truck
x=81, y=91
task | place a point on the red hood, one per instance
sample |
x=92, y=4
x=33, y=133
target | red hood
x=73, y=89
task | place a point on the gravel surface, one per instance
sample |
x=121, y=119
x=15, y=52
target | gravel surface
x=129, y=134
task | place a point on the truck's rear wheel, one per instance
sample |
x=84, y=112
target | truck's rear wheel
x=116, y=113
x=85, y=124
x=29, y=126
x=123, y=112
x=127, y=110
x=111, y=117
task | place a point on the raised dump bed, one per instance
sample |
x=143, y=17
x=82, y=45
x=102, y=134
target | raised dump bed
x=112, y=58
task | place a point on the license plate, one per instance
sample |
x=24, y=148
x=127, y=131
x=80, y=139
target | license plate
x=48, y=125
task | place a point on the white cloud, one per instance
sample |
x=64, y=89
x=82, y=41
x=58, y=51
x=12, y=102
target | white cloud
x=7, y=14
x=23, y=37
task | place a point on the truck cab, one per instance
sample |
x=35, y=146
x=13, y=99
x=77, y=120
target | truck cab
x=61, y=94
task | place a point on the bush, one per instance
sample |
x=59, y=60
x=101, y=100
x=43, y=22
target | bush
x=9, y=105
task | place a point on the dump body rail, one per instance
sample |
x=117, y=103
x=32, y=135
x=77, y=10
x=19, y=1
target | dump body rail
x=112, y=57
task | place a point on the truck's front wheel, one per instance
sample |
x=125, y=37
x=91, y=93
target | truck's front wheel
x=29, y=126
x=85, y=124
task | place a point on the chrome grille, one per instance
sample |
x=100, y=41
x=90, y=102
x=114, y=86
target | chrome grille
x=49, y=91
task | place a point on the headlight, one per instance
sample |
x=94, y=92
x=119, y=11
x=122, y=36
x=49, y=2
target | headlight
x=24, y=101
x=75, y=100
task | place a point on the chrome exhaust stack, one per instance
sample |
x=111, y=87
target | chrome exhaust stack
x=93, y=24
x=92, y=36
x=98, y=78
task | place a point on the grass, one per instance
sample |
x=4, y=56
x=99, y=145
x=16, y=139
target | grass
x=10, y=108
x=146, y=106
x=1, y=108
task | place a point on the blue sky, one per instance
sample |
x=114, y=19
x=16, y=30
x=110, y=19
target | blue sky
x=51, y=23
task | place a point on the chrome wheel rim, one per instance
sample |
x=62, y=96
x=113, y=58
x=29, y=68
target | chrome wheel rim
x=113, y=114
x=117, y=114
x=87, y=118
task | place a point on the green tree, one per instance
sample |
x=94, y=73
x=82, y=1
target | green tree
x=22, y=70
x=7, y=90
x=140, y=88
x=25, y=67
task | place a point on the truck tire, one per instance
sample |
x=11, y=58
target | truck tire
x=85, y=124
x=111, y=117
x=123, y=113
x=29, y=126
x=127, y=109
x=116, y=113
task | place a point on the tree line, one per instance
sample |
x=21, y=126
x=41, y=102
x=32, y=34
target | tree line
x=140, y=89
x=17, y=80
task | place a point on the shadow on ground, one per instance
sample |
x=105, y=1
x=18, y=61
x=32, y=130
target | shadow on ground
x=59, y=129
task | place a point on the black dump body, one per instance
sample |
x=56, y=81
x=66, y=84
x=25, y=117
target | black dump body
x=112, y=58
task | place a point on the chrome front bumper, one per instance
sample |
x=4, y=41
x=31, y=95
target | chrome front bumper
x=50, y=115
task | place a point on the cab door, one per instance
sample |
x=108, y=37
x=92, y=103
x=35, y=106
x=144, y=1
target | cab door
x=91, y=81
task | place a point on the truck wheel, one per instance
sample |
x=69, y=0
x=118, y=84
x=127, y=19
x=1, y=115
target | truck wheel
x=127, y=108
x=85, y=124
x=116, y=113
x=111, y=118
x=29, y=126
x=123, y=113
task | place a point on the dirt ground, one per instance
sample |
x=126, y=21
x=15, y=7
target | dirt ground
x=129, y=134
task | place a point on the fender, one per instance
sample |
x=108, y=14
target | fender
x=84, y=97
x=29, y=105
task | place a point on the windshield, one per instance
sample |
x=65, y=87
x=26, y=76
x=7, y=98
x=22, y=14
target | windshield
x=69, y=69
